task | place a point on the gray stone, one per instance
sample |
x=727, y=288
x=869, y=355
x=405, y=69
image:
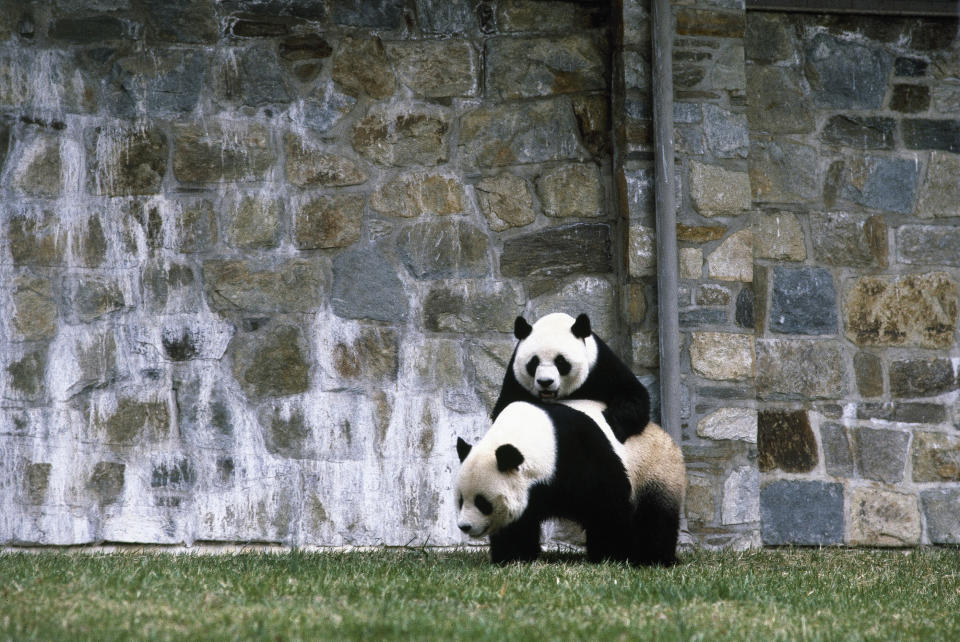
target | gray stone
x=773, y=171
x=592, y=113
x=846, y=75
x=883, y=518
x=361, y=66
x=702, y=316
x=910, y=99
x=837, y=454
x=255, y=222
x=444, y=250
x=412, y=136
x=778, y=235
x=471, y=307
x=382, y=297
x=272, y=363
x=849, y=240
x=36, y=482
x=910, y=67
x=437, y=68
x=488, y=361
x=726, y=132
x=641, y=250
x=936, y=457
x=869, y=372
x=210, y=154
x=35, y=311
x=37, y=172
x=196, y=226
x=921, y=133
x=744, y=313
x=89, y=247
x=797, y=369
x=558, y=251
x=716, y=191
x=255, y=78
x=803, y=301
x=946, y=97
x=176, y=474
x=371, y=14
x=527, y=67
x=922, y=378
x=941, y=508
x=241, y=287
x=769, y=38
x=187, y=22
x=592, y=295
x=27, y=374
x=881, y=183
x=729, y=423
x=571, y=191
x=92, y=29
x=154, y=82
x=880, y=454
x=135, y=423
x=722, y=356
x=90, y=298
x=286, y=434
x=92, y=362
x=859, y=132
x=741, y=497
x=785, y=441
x=329, y=222
x=535, y=15
x=940, y=192
x=309, y=166
x=901, y=412
x=126, y=163
x=927, y=244
x=446, y=16
x=410, y=195
x=803, y=513
x=506, y=201
x=322, y=110
x=106, y=482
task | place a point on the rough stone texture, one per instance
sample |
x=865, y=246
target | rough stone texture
x=506, y=201
x=236, y=287
x=411, y=137
x=729, y=423
x=869, y=371
x=443, y=250
x=884, y=518
x=126, y=163
x=915, y=310
x=844, y=239
x=778, y=236
x=691, y=263
x=722, y=356
x=467, y=307
x=941, y=510
x=35, y=311
x=935, y=457
x=929, y=245
x=801, y=512
x=922, y=378
x=642, y=251
x=308, y=166
x=932, y=134
x=558, y=251
x=255, y=223
x=519, y=68
x=859, y=132
x=774, y=175
x=741, y=497
x=785, y=441
x=381, y=299
x=803, y=301
x=779, y=101
x=221, y=153
x=837, y=454
x=881, y=183
x=880, y=454
x=846, y=75
x=940, y=192
x=733, y=259
x=571, y=191
x=437, y=69
x=273, y=364
x=329, y=222
x=794, y=369
x=361, y=67
x=716, y=191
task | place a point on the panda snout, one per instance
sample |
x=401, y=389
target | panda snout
x=545, y=383
x=464, y=527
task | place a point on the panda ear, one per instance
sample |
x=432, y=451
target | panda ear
x=581, y=327
x=463, y=449
x=508, y=458
x=521, y=329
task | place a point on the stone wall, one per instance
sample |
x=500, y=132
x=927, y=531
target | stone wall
x=260, y=259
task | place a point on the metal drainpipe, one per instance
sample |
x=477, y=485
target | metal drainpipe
x=666, y=217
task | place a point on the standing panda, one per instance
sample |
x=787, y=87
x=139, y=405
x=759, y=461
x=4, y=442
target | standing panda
x=540, y=461
x=559, y=357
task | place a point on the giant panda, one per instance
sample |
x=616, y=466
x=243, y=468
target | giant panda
x=540, y=461
x=559, y=357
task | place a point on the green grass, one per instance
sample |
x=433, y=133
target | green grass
x=763, y=595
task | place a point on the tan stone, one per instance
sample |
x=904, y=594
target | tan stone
x=308, y=166
x=699, y=502
x=730, y=423
x=691, y=263
x=936, y=457
x=733, y=260
x=884, y=518
x=722, y=356
x=700, y=233
x=778, y=235
x=360, y=66
x=416, y=136
x=717, y=191
x=416, y=193
x=571, y=191
x=506, y=201
x=329, y=221
x=437, y=68
x=255, y=223
x=35, y=311
x=642, y=259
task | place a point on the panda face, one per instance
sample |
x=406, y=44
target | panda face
x=490, y=491
x=555, y=356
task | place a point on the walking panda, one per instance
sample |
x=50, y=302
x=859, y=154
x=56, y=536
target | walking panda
x=560, y=357
x=540, y=461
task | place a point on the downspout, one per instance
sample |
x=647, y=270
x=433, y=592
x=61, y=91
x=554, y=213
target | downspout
x=666, y=217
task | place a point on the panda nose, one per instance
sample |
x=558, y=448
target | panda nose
x=465, y=528
x=545, y=383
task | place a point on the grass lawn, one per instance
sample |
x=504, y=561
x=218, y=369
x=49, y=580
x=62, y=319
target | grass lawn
x=762, y=595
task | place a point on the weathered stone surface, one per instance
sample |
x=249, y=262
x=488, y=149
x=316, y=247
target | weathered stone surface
x=797, y=369
x=309, y=166
x=410, y=195
x=372, y=356
x=215, y=153
x=716, y=191
x=38, y=170
x=535, y=15
x=881, y=183
x=859, y=132
x=525, y=67
x=134, y=422
x=592, y=112
x=837, y=454
x=773, y=171
x=741, y=497
x=868, y=369
x=125, y=163
x=699, y=503
x=733, y=260
x=880, y=454
x=883, y=518
x=928, y=244
x=36, y=482
x=254, y=77
x=778, y=101
x=558, y=251
x=106, y=482
x=844, y=239
x=286, y=433
x=642, y=250
x=35, y=311
x=768, y=38
x=402, y=137
x=940, y=192
x=846, y=75
x=437, y=68
x=803, y=301
x=910, y=99
x=240, y=287
x=92, y=297
x=506, y=201
x=711, y=294
x=447, y=16
x=194, y=23
x=518, y=133
x=722, y=356
x=700, y=233
x=778, y=236
x=27, y=373
x=946, y=98
x=921, y=133
x=329, y=221
x=90, y=29
x=941, y=508
x=744, y=313
x=726, y=132
x=376, y=14
x=177, y=474
x=444, y=250
x=691, y=263
x=89, y=246
x=322, y=109
x=169, y=286
x=936, y=457
x=361, y=66
x=785, y=441
x=702, y=316
x=918, y=310
x=89, y=360
x=910, y=67
x=571, y=191
x=255, y=222
x=714, y=24
x=903, y=412
x=922, y=378
x=382, y=297
x=730, y=423
x=272, y=363
x=195, y=226
x=804, y=513
x=157, y=82
x=470, y=307
x=595, y=296
x=489, y=362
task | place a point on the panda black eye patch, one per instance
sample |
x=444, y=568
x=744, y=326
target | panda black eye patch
x=563, y=366
x=532, y=366
x=483, y=504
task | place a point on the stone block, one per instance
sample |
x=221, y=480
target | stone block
x=729, y=423
x=849, y=240
x=272, y=363
x=880, y=454
x=803, y=301
x=329, y=222
x=907, y=67
x=744, y=314
x=536, y=15
x=593, y=295
x=415, y=193
x=859, y=132
x=27, y=372
x=446, y=16
x=211, y=154
x=125, y=163
x=726, y=132
x=733, y=259
x=437, y=68
x=322, y=110
x=881, y=183
x=700, y=233
x=518, y=133
x=38, y=170
x=571, y=191
x=910, y=99
x=447, y=249
x=488, y=359
x=785, y=441
x=946, y=98
x=255, y=222
x=93, y=297
x=922, y=378
x=935, y=457
x=722, y=356
x=868, y=369
x=592, y=113
x=769, y=38
x=134, y=422
x=642, y=251
x=309, y=166
x=106, y=482
x=903, y=412
x=89, y=244
x=711, y=294
x=182, y=23
x=712, y=24
x=702, y=316
x=383, y=295
x=773, y=171
x=741, y=497
x=699, y=503
x=940, y=192
x=196, y=226
x=691, y=263
x=778, y=236
x=375, y=14
x=928, y=244
x=361, y=67
x=91, y=29
x=286, y=433
x=918, y=310
x=176, y=474
x=555, y=252
x=715, y=191
x=941, y=510
x=528, y=67
x=36, y=482
x=804, y=513
x=35, y=310
x=156, y=82
x=506, y=201
x=471, y=307
x=403, y=136
x=798, y=369
x=254, y=77
x=922, y=133
x=837, y=454
x=372, y=355
x=243, y=287
x=844, y=74
x=881, y=517
x=88, y=358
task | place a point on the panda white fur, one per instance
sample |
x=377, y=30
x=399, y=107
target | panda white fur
x=560, y=357
x=540, y=461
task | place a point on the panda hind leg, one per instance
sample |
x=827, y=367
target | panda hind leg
x=608, y=542
x=518, y=542
x=656, y=526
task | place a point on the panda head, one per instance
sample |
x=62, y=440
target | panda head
x=555, y=355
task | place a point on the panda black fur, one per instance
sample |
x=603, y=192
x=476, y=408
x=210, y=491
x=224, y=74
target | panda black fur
x=540, y=461
x=561, y=358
